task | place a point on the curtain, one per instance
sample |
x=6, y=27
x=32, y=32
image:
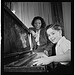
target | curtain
x=66, y=7
x=26, y=11
x=56, y=9
x=57, y=14
x=52, y=12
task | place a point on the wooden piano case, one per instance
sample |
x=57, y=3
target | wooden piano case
x=17, y=58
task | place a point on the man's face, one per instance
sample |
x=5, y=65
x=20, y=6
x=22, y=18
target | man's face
x=54, y=35
x=37, y=24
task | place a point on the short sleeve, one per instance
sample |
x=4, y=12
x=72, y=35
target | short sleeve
x=66, y=45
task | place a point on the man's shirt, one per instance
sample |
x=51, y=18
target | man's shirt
x=62, y=46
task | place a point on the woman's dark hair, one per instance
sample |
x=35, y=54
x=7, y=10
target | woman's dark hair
x=39, y=18
x=55, y=27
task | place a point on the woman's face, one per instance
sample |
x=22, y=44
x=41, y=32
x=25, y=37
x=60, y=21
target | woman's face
x=37, y=24
x=54, y=35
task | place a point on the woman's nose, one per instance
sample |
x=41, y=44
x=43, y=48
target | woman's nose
x=37, y=24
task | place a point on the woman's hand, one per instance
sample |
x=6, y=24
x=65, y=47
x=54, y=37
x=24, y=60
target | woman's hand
x=42, y=61
x=46, y=52
x=32, y=32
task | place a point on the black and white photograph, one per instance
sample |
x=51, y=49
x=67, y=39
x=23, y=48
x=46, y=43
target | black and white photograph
x=37, y=37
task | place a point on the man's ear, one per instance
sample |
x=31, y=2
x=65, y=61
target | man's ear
x=60, y=32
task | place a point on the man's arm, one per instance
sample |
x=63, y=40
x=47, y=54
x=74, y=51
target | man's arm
x=58, y=58
x=62, y=57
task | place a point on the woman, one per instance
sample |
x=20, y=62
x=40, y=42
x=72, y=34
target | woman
x=39, y=36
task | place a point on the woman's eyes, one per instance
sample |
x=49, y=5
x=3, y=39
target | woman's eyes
x=37, y=23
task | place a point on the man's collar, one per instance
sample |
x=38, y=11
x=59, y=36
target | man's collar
x=61, y=40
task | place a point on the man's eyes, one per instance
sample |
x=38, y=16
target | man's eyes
x=48, y=35
x=51, y=34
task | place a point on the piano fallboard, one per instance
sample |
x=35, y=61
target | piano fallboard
x=25, y=69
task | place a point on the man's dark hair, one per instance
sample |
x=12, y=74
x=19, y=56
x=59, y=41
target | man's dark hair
x=55, y=27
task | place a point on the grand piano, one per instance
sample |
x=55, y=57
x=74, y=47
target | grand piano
x=17, y=53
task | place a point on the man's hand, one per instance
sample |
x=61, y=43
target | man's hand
x=41, y=61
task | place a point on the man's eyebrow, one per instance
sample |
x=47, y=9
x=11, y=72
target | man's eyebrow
x=53, y=31
x=48, y=34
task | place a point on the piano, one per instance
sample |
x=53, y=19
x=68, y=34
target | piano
x=17, y=56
